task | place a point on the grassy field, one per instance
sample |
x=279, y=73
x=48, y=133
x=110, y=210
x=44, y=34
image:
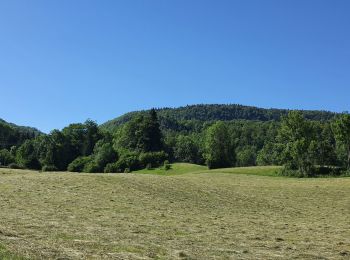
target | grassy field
x=187, y=168
x=176, y=169
x=221, y=214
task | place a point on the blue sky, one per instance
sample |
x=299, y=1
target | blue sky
x=66, y=61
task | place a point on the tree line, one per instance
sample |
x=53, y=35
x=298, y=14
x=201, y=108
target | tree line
x=303, y=146
x=193, y=116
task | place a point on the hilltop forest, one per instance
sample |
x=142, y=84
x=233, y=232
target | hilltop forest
x=306, y=143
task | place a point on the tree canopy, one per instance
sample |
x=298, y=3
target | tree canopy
x=306, y=143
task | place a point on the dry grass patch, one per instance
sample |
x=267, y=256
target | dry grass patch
x=190, y=216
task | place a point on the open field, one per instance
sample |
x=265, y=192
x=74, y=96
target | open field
x=199, y=215
x=176, y=169
x=187, y=168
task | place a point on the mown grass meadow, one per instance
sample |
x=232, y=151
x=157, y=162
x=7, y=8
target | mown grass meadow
x=219, y=214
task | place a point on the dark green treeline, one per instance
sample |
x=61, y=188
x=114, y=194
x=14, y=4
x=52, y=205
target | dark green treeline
x=306, y=147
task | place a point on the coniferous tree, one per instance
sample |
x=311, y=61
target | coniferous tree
x=155, y=135
x=141, y=134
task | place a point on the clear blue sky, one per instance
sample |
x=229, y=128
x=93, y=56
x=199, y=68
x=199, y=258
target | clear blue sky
x=66, y=61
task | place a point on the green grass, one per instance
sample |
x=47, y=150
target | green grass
x=176, y=169
x=188, y=168
x=5, y=254
x=218, y=214
x=257, y=170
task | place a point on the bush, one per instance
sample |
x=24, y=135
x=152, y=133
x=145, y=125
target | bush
x=14, y=166
x=328, y=171
x=79, y=163
x=49, y=168
x=112, y=168
x=6, y=157
x=149, y=166
x=167, y=167
x=115, y=168
x=155, y=159
x=128, y=160
x=315, y=171
x=92, y=167
x=285, y=171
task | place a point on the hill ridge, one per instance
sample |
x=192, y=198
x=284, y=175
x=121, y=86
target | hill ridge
x=215, y=112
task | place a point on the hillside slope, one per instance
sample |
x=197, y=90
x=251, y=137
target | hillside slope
x=11, y=134
x=169, y=117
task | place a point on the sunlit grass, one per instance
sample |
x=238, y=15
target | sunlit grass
x=176, y=168
x=187, y=168
x=217, y=214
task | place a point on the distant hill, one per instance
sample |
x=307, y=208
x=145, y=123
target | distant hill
x=11, y=134
x=171, y=117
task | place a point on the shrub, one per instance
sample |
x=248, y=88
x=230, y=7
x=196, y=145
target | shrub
x=154, y=158
x=149, y=166
x=127, y=170
x=167, y=167
x=6, y=157
x=49, y=168
x=112, y=168
x=328, y=171
x=128, y=160
x=92, y=167
x=287, y=171
x=79, y=163
x=14, y=166
x=315, y=171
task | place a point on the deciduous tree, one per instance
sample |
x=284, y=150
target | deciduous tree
x=219, y=147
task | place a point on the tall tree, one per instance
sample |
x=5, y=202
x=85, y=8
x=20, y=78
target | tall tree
x=296, y=135
x=6, y=157
x=154, y=133
x=93, y=134
x=26, y=155
x=141, y=134
x=55, y=150
x=219, y=147
x=186, y=150
x=341, y=128
x=325, y=149
x=246, y=156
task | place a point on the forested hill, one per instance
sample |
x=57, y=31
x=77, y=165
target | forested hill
x=169, y=117
x=11, y=134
